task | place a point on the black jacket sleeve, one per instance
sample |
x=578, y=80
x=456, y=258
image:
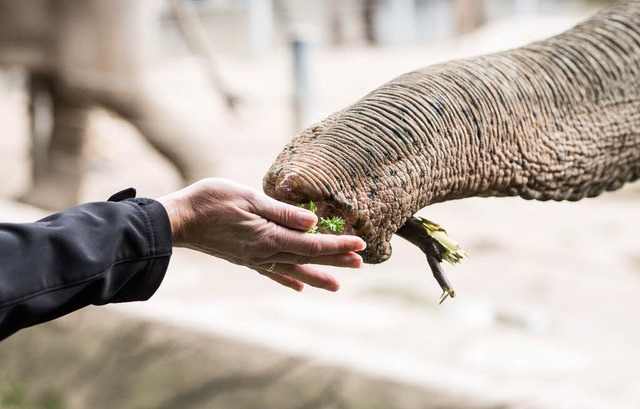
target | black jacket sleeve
x=95, y=253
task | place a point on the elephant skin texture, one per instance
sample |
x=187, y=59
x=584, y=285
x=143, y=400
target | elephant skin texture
x=557, y=119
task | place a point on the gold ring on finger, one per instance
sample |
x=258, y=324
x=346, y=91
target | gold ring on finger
x=271, y=267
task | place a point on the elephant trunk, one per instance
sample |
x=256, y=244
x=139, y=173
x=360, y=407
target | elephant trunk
x=558, y=119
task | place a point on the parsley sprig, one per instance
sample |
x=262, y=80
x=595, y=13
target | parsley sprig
x=333, y=224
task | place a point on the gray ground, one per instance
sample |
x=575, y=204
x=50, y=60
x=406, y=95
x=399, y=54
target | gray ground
x=546, y=308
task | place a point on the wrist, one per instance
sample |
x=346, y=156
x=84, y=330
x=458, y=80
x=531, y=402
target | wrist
x=176, y=218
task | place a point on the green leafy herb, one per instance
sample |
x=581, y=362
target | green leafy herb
x=311, y=206
x=325, y=224
x=335, y=224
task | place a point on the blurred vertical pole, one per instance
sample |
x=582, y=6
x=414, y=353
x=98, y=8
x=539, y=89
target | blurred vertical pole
x=336, y=30
x=302, y=97
x=368, y=20
x=260, y=27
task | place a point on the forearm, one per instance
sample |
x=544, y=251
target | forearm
x=96, y=253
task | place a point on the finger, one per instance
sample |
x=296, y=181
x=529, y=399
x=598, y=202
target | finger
x=348, y=260
x=282, y=279
x=308, y=275
x=284, y=214
x=315, y=245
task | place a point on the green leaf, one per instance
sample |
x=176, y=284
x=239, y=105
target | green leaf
x=334, y=224
x=312, y=207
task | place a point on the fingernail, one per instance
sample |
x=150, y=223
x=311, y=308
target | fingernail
x=307, y=220
x=353, y=260
x=333, y=287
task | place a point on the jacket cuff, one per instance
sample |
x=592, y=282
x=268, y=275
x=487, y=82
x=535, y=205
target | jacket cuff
x=159, y=236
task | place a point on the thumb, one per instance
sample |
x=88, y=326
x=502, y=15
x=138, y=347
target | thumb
x=286, y=215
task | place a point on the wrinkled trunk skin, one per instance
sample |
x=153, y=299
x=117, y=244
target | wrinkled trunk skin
x=558, y=119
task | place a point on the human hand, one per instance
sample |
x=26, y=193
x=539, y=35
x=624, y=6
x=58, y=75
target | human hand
x=246, y=227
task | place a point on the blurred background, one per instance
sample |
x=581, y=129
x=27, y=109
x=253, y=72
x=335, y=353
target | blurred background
x=96, y=96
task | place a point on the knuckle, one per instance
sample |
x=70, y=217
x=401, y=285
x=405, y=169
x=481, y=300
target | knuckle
x=252, y=200
x=272, y=237
x=268, y=244
x=315, y=248
x=286, y=216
